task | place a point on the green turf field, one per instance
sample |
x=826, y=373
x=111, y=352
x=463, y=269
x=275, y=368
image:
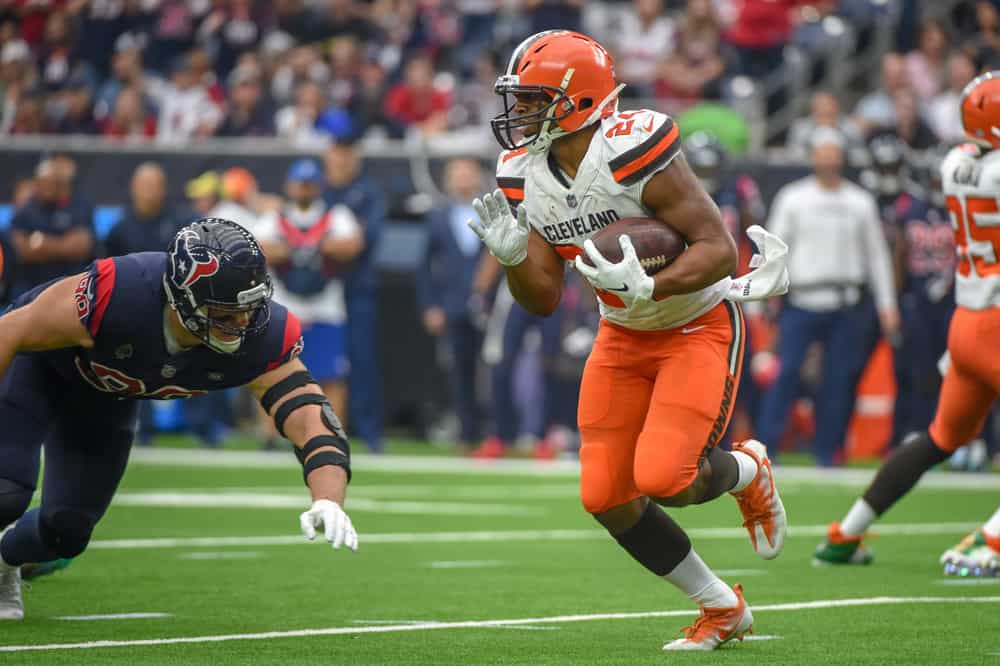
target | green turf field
x=463, y=564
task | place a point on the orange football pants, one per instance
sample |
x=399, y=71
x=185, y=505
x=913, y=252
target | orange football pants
x=652, y=403
x=972, y=381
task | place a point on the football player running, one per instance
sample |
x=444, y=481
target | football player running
x=659, y=386
x=77, y=353
x=970, y=177
x=978, y=554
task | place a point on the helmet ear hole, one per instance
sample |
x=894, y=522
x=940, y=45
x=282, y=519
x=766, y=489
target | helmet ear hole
x=585, y=103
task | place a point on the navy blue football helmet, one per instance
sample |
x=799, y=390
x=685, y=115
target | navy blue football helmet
x=217, y=281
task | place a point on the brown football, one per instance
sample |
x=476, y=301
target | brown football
x=656, y=244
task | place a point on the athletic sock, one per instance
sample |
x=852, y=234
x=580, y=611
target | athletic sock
x=697, y=581
x=858, y=519
x=656, y=541
x=747, y=471
x=902, y=471
x=992, y=528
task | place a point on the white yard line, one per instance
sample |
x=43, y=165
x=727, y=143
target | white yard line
x=890, y=529
x=552, y=468
x=466, y=564
x=223, y=555
x=478, y=624
x=252, y=500
x=114, y=616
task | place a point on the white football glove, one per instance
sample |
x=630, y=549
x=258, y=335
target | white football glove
x=770, y=275
x=505, y=236
x=627, y=279
x=336, y=525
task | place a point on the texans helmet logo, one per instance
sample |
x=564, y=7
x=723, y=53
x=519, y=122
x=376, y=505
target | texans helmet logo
x=192, y=264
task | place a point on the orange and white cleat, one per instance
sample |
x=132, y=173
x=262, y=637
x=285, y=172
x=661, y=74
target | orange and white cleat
x=716, y=626
x=763, y=513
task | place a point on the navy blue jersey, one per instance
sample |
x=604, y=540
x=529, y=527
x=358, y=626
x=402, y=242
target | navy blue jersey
x=929, y=240
x=122, y=303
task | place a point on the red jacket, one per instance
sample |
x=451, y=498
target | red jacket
x=763, y=23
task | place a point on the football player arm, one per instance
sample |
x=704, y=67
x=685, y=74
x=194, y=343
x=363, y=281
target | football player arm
x=51, y=321
x=675, y=196
x=536, y=283
x=306, y=427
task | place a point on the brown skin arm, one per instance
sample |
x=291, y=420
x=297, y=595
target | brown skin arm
x=536, y=283
x=326, y=482
x=76, y=243
x=49, y=322
x=675, y=196
x=277, y=252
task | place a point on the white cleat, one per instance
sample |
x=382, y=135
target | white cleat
x=716, y=626
x=763, y=513
x=11, y=606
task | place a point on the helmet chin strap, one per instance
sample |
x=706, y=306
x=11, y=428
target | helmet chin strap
x=550, y=131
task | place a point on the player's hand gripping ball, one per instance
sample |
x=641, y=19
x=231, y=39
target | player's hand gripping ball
x=656, y=244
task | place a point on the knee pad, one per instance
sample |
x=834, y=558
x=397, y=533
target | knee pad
x=662, y=469
x=66, y=531
x=14, y=501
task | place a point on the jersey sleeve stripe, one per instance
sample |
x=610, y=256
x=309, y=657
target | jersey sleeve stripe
x=511, y=154
x=652, y=153
x=513, y=188
x=102, y=294
x=292, y=338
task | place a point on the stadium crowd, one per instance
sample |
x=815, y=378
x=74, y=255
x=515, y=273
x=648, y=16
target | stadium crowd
x=321, y=74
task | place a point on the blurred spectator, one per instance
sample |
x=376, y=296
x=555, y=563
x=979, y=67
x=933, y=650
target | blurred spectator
x=173, y=32
x=984, y=45
x=693, y=70
x=307, y=246
x=200, y=63
x=642, y=44
x=75, y=110
x=293, y=18
x=57, y=55
x=336, y=18
x=347, y=185
x=123, y=25
x=249, y=113
x=17, y=79
x=943, y=113
x=301, y=65
x=242, y=202
x=877, y=109
x=910, y=124
x=824, y=111
x=297, y=123
x=475, y=102
x=149, y=223
x=129, y=118
x=28, y=116
x=838, y=257
x=186, y=110
x=758, y=34
x=228, y=31
x=450, y=295
x=126, y=72
x=478, y=23
x=925, y=67
x=416, y=101
x=554, y=14
x=203, y=194
x=53, y=234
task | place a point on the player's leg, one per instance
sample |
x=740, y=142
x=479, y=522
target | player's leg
x=961, y=412
x=978, y=554
x=85, y=457
x=26, y=416
x=505, y=417
x=465, y=341
x=365, y=408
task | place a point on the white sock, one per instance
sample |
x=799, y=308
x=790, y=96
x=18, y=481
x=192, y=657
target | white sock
x=696, y=580
x=858, y=519
x=747, y=467
x=992, y=526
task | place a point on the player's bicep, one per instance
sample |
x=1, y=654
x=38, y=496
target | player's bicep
x=51, y=321
x=675, y=196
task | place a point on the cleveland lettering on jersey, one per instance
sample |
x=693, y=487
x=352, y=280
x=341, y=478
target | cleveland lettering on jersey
x=579, y=226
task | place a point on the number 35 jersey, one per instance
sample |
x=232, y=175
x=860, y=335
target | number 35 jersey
x=970, y=180
x=628, y=149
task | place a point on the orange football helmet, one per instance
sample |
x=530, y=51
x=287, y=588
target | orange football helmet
x=573, y=71
x=980, y=105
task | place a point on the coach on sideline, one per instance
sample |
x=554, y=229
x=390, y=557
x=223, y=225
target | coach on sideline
x=838, y=263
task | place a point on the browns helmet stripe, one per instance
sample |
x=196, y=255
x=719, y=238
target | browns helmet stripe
x=515, y=58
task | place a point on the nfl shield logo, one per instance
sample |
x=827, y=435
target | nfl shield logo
x=123, y=352
x=571, y=200
x=168, y=371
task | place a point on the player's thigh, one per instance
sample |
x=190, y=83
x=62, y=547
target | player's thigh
x=612, y=409
x=691, y=405
x=963, y=405
x=26, y=415
x=86, y=456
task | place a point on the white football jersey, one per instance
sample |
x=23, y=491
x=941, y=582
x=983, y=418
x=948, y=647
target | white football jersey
x=627, y=150
x=971, y=185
